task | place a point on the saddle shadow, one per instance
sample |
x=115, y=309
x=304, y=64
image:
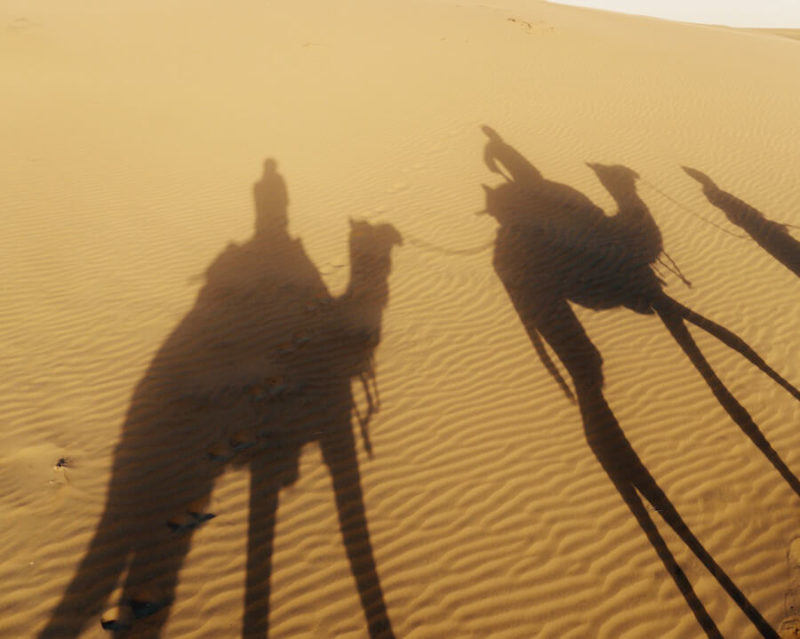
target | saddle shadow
x=555, y=247
x=773, y=237
x=258, y=368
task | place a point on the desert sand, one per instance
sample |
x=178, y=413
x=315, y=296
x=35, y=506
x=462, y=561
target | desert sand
x=494, y=496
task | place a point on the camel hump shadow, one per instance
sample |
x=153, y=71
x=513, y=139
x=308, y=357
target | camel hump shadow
x=259, y=367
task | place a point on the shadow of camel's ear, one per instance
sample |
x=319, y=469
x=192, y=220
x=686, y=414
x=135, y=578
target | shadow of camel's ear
x=699, y=176
x=491, y=133
x=396, y=237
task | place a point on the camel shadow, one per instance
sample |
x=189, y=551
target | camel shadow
x=555, y=247
x=773, y=237
x=259, y=367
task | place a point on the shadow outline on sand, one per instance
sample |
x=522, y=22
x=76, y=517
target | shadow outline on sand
x=555, y=247
x=773, y=237
x=259, y=367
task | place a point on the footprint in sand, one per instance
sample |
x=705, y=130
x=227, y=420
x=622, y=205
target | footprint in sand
x=19, y=25
x=532, y=27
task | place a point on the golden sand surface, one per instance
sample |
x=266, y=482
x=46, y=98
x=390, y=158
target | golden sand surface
x=496, y=504
x=793, y=34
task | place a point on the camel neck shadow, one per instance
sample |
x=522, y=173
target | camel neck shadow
x=773, y=237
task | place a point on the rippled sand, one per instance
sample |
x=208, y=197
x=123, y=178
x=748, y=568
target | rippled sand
x=132, y=138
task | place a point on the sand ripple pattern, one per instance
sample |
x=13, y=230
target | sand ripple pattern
x=133, y=138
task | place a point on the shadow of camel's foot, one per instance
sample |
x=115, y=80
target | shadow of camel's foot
x=381, y=629
x=125, y=617
x=121, y=620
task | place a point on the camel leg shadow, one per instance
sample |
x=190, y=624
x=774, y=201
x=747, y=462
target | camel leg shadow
x=152, y=578
x=633, y=481
x=94, y=581
x=264, y=488
x=666, y=306
x=628, y=474
x=562, y=330
x=339, y=455
x=673, y=320
x=150, y=538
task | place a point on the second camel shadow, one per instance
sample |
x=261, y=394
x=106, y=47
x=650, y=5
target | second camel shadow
x=258, y=368
x=555, y=246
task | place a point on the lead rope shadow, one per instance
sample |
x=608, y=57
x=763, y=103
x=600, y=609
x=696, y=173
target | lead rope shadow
x=258, y=368
x=773, y=237
x=554, y=246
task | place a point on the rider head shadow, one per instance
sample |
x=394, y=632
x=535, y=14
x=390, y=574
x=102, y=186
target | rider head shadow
x=258, y=368
x=773, y=237
x=555, y=247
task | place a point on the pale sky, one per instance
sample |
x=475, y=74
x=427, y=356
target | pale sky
x=735, y=13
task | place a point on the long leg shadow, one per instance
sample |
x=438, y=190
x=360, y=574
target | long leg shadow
x=674, y=322
x=324, y=415
x=267, y=477
x=773, y=237
x=259, y=367
x=554, y=247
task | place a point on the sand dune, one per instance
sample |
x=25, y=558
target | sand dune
x=133, y=137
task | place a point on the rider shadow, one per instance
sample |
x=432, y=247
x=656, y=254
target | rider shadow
x=259, y=367
x=553, y=247
x=773, y=237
